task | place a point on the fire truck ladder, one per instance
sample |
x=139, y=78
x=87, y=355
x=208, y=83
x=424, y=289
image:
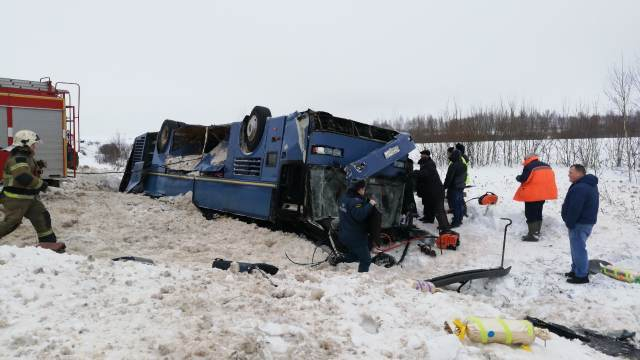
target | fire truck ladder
x=73, y=123
x=44, y=86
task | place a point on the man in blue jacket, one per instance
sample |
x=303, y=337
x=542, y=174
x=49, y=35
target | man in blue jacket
x=580, y=213
x=354, y=211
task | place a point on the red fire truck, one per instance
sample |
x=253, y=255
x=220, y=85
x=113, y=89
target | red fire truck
x=52, y=111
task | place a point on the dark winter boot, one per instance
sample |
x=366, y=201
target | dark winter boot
x=536, y=228
x=578, y=280
x=335, y=259
x=58, y=247
x=531, y=235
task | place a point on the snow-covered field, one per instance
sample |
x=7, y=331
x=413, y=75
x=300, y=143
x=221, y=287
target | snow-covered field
x=88, y=160
x=81, y=305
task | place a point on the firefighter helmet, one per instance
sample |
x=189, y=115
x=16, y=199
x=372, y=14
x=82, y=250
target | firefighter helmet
x=26, y=138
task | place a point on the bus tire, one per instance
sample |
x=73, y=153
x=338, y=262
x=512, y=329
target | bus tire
x=165, y=133
x=253, y=127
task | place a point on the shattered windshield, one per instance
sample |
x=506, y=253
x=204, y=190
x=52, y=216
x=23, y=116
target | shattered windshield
x=389, y=195
x=328, y=184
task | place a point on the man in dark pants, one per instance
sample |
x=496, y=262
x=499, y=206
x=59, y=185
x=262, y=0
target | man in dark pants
x=22, y=184
x=454, y=183
x=533, y=214
x=467, y=180
x=580, y=214
x=449, y=200
x=465, y=160
x=409, y=208
x=538, y=184
x=431, y=190
x=354, y=212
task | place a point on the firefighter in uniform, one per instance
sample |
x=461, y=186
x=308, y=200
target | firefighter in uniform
x=22, y=184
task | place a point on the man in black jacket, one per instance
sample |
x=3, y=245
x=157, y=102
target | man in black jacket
x=467, y=180
x=409, y=208
x=431, y=191
x=454, y=183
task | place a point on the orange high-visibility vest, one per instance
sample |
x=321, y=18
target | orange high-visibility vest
x=540, y=185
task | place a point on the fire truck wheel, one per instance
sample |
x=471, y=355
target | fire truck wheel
x=253, y=127
x=165, y=133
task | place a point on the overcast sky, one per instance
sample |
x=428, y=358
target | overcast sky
x=207, y=62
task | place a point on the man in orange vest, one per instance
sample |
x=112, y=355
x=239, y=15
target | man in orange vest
x=537, y=184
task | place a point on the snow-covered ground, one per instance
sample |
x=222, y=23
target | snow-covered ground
x=81, y=305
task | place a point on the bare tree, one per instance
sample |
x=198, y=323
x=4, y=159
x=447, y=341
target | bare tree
x=620, y=93
x=635, y=74
x=115, y=152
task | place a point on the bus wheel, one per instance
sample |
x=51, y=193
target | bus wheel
x=253, y=128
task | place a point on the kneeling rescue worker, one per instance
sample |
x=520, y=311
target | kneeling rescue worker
x=22, y=184
x=354, y=211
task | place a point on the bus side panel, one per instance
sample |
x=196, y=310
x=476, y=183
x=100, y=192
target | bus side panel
x=353, y=148
x=241, y=199
x=165, y=185
x=273, y=133
x=294, y=139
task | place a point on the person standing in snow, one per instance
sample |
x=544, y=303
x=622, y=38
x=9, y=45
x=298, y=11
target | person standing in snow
x=537, y=184
x=354, y=212
x=409, y=208
x=465, y=160
x=580, y=213
x=467, y=180
x=449, y=200
x=431, y=191
x=22, y=184
x=454, y=182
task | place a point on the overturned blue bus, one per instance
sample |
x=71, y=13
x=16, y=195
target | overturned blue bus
x=288, y=170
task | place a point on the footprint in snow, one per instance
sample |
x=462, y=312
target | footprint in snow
x=369, y=324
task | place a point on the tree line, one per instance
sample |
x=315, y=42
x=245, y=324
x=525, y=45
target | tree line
x=512, y=122
x=504, y=134
x=507, y=123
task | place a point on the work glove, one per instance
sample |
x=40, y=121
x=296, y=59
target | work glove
x=41, y=164
x=372, y=202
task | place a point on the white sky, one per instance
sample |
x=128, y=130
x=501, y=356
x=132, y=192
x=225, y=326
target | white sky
x=140, y=62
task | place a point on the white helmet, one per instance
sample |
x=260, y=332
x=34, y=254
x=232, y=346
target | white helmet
x=25, y=138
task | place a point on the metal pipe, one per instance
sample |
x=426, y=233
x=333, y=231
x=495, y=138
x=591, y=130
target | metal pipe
x=504, y=241
x=73, y=136
x=76, y=119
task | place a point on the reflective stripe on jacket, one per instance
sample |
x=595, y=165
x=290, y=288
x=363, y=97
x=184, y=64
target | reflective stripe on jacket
x=20, y=177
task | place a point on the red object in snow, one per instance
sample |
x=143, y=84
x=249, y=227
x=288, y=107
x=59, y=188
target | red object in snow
x=4, y=155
